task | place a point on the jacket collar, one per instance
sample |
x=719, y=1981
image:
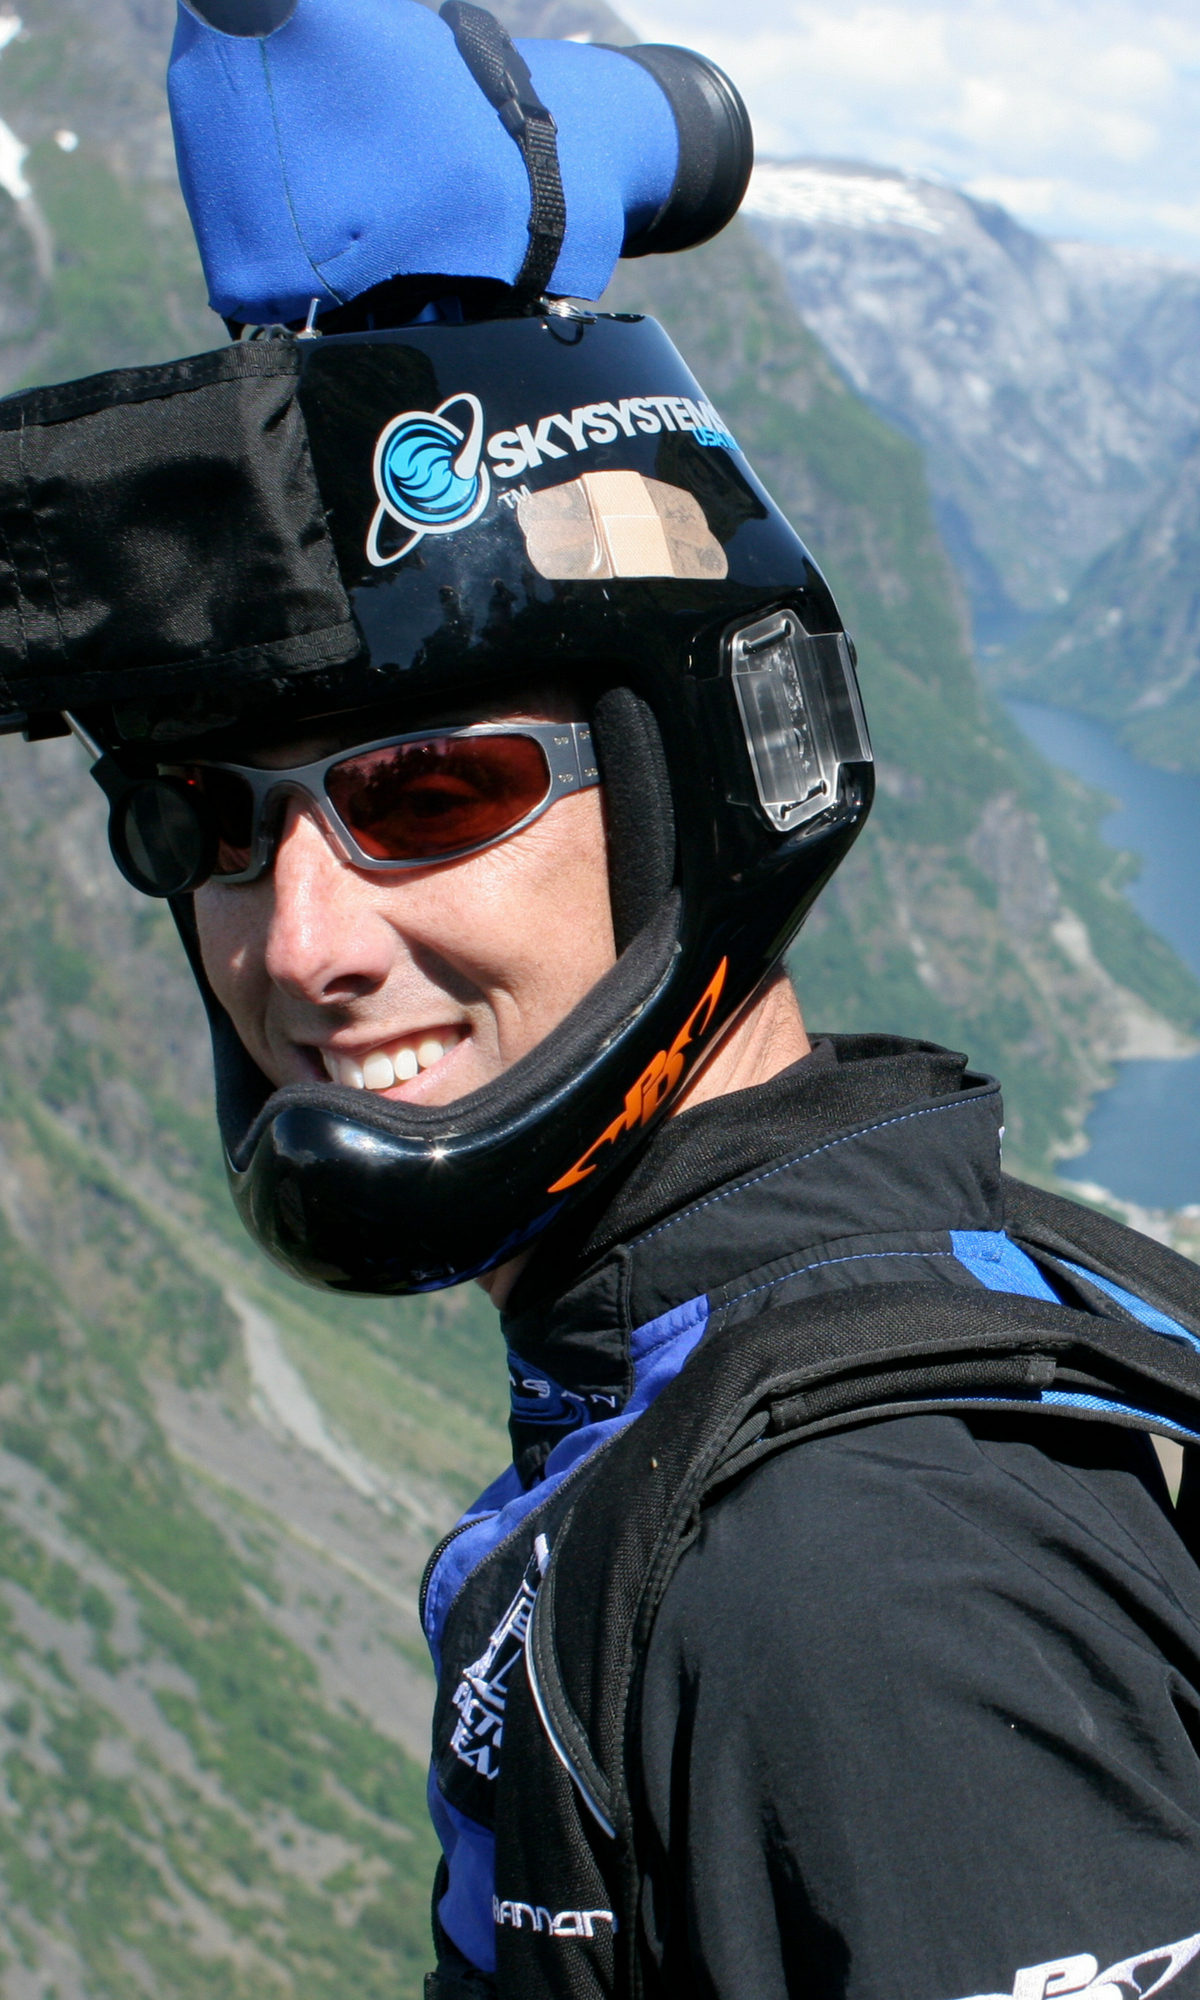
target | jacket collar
x=744, y=1184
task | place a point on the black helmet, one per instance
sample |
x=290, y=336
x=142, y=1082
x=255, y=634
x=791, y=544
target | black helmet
x=547, y=496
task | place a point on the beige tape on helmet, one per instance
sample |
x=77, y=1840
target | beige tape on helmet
x=618, y=524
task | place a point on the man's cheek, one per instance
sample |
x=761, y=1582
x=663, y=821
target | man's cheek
x=226, y=947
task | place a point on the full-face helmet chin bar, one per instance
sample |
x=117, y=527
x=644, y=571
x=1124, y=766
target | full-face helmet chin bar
x=156, y=831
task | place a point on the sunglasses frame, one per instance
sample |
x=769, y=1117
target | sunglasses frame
x=566, y=746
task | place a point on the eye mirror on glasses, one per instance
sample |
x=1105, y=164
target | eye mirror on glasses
x=157, y=834
x=158, y=839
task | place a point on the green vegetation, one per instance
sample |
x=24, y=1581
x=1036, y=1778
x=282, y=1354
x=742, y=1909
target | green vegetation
x=99, y=270
x=110, y=1579
x=120, y=292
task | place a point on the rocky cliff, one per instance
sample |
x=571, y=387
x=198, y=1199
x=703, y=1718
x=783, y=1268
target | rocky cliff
x=1054, y=388
x=1126, y=644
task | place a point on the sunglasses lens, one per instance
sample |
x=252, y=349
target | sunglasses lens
x=228, y=805
x=419, y=801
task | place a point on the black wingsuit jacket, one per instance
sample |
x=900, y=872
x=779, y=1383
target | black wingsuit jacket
x=920, y=1715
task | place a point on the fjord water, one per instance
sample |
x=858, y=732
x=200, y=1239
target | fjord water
x=1144, y=1133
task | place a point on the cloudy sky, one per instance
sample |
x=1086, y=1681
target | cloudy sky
x=1082, y=116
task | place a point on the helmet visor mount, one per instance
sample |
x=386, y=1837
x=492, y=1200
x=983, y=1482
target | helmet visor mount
x=801, y=711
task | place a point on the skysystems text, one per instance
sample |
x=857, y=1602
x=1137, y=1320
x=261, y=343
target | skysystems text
x=522, y=450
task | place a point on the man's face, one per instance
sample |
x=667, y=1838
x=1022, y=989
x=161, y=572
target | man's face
x=422, y=986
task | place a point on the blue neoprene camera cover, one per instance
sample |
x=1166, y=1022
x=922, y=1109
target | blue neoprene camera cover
x=351, y=144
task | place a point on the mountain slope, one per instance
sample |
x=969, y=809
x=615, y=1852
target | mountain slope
x=97, y=267
x=1054, y=387
x=1126, y=645
x=185, y=1813
x=978, y=908
x=214, y=1686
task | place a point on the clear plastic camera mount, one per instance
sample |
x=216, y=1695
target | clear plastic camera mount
x=798, y=697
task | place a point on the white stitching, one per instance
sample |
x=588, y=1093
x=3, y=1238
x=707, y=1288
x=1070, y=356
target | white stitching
x=822, y=1263
x=782, y=1166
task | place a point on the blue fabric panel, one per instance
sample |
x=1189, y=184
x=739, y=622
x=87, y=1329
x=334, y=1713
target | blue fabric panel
x=353, y=144
x=539, y=1398
x=1071, y=1400
x=466, y=1907
x=618, y=148
x=1149, y=1315
x=998, y=1264
x=658, y=1351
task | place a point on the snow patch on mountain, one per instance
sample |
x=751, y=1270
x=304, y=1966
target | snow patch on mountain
x=788, y=191
x=13, y=153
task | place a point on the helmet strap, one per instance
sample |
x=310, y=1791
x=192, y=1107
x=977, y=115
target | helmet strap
x=503, y=76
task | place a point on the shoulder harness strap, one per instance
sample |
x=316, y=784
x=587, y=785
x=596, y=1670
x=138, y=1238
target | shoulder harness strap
x=1059, y=1232
x=565, y=1822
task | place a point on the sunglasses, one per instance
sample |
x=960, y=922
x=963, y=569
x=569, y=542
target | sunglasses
x=404, y=802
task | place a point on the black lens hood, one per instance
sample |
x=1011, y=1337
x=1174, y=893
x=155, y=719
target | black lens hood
x=252, y=19
x=716, y=150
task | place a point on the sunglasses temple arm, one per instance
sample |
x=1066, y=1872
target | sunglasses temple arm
x=81, y=736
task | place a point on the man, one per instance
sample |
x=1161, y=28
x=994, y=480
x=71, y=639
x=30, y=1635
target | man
x=920, y=1708
x=493, y=734
x=920, y=1698
x=426, y=990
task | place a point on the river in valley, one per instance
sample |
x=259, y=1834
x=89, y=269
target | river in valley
x=1144, y=1133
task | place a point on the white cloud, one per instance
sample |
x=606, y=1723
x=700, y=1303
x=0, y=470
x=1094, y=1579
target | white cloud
x=1085, y=112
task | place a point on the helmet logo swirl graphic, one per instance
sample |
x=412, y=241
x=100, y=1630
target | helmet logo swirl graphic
x=429, y=475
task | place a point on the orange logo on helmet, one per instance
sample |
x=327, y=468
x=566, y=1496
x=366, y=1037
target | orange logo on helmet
x=655, y=1084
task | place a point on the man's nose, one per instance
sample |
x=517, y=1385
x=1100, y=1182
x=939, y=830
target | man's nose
x=327, y=938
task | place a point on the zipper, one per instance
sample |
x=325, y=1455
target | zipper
x=569, y=1479
x=436, y=1557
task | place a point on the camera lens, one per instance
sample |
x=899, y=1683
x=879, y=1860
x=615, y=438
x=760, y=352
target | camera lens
x=716, y=150
x=252, y=19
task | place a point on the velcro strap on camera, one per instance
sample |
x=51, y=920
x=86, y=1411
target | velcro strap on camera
x=503, y=76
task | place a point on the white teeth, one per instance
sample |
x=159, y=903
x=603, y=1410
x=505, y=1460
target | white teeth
x=377, y=1072
x=343, y=1070
x=381, y=1069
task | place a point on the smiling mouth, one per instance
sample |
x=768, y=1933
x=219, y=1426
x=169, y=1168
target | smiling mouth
x=391, y=1063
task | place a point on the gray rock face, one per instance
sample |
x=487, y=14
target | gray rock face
x=1055, y=388
x=1126, y=646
